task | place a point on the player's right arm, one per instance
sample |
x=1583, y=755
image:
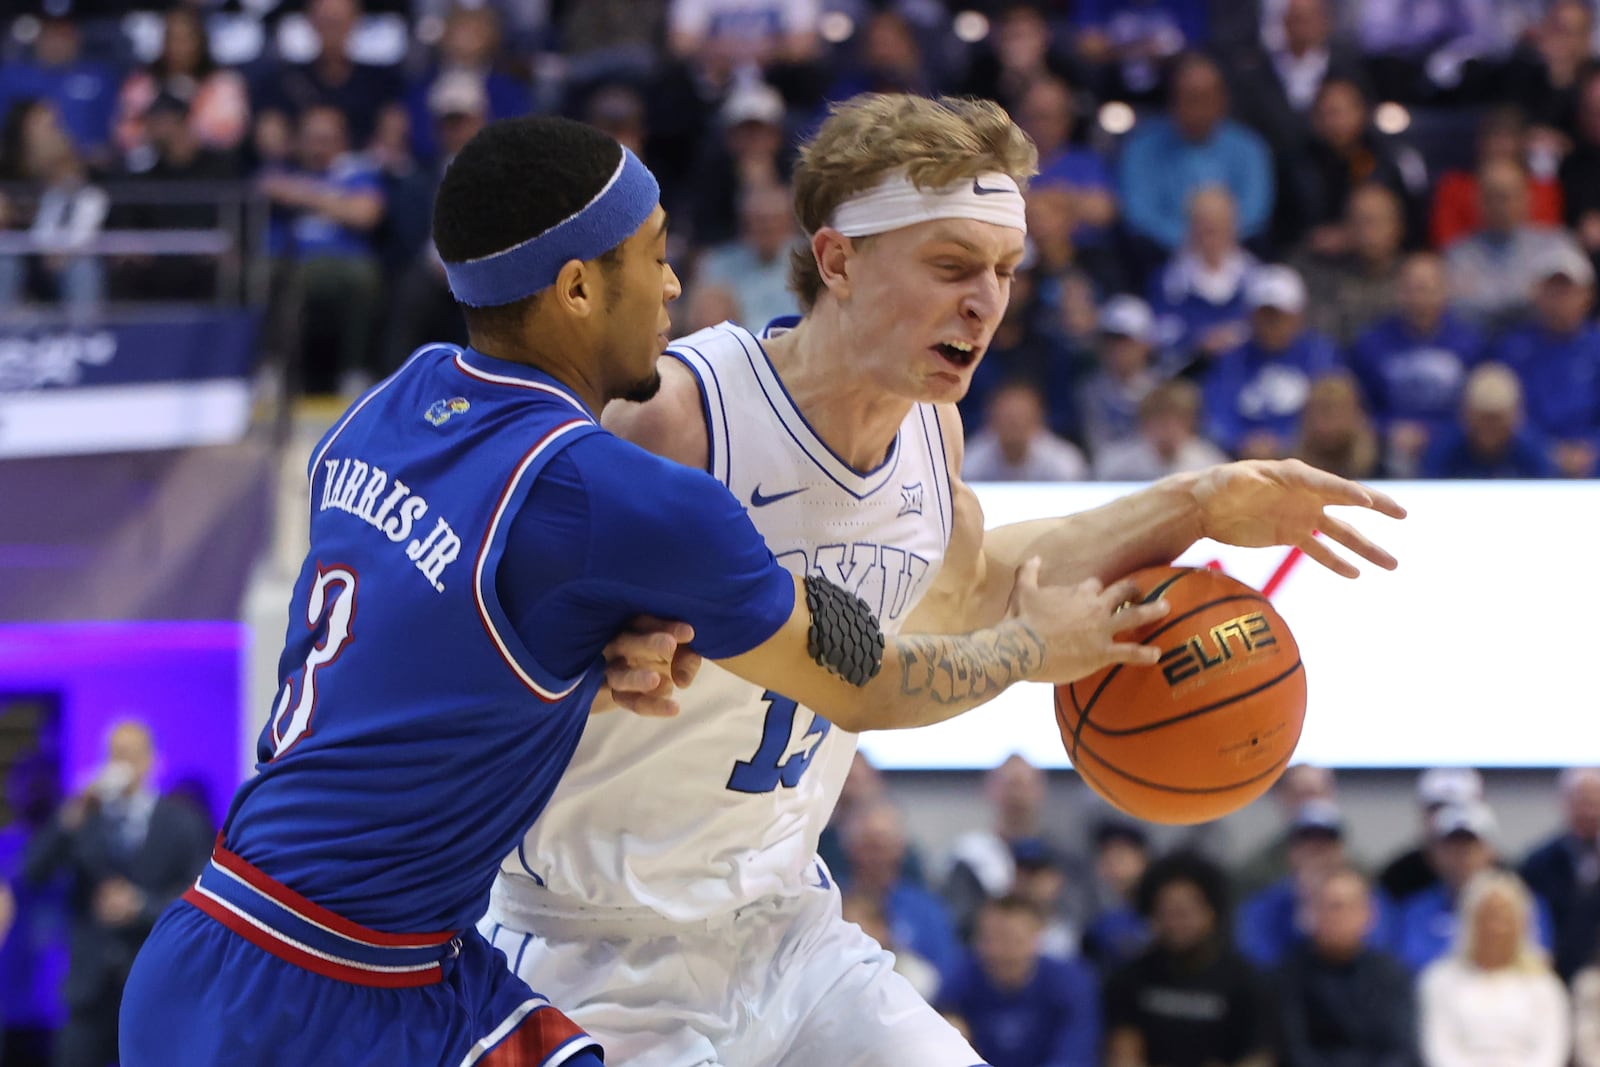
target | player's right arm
x=1050, y=634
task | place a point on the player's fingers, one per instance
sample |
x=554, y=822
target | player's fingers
x=623, y=679
x=1330, y=559
x=1028, y=573
x=1122, y=592
x=1092, y=587
x=1386, y=504
x=1133, y=655
x=1357, y=542
x=685, y=666
x=1137, y=615
x=1330, y=487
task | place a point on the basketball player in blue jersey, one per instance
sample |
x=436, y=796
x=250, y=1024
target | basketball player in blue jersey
x=476, y=541
x=686, y=919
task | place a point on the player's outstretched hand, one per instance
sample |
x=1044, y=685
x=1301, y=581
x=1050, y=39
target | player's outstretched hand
x=644, y=664
x=1079, y=625
x=1259, y=503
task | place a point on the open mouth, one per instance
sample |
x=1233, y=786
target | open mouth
x=957, y=353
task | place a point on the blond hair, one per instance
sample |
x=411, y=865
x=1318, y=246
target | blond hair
x=1529, y=956
x=938, y=141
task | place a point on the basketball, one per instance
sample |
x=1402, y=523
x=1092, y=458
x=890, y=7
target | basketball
x=1207, y=729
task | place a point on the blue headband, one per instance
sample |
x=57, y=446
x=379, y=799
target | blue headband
x=602, y=224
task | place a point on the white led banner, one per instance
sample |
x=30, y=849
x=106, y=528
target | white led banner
x=1480, y=650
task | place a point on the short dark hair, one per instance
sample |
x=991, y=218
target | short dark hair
x=1014, y=904
x=513, y=181
x=1189, y=867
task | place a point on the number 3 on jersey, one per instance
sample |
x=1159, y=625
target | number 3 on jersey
x=782, y=757
x=331, y=601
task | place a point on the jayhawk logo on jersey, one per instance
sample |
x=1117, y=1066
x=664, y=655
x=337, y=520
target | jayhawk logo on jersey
x=439, y=411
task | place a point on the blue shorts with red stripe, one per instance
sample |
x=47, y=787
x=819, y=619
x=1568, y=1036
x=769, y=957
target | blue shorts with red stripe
x=242, y=975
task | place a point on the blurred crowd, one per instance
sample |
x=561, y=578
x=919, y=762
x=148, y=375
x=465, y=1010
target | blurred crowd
x=1053, y=937
x=1302, y=955
x=1363, y=232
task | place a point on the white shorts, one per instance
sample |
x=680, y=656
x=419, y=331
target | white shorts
x=784, y=982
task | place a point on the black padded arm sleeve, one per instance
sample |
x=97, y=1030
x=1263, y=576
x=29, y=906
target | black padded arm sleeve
x=845, y=636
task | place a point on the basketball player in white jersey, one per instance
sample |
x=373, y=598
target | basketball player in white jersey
x=671, y=894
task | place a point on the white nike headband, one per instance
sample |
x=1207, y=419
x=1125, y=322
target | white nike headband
x=896, y=202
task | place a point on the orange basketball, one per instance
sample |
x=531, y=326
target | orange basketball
x=1210, y=727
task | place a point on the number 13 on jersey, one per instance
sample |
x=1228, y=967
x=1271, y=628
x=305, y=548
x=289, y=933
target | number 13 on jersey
x=782, y=757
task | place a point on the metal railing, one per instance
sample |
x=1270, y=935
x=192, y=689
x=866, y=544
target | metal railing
x=236, y=240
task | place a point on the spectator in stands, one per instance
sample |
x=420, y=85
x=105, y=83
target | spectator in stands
x=1580, y=170
x=1274, y=921
x=1461, y=848
x=1275, y=85
x=863, y=787
x=1413, y=364
x=1557, y=356
x=1492, y=271
x=218, y=99
x=1042, y=882
x=423, y=309
x=1586, y=1017
x=1418, y=48
x=1110, y=397
x=617, y=109
x=1301, y=784
x=128, y=852
x=1067, y=276
x=1494, y=1000
x=1356, y=284
x=1342, y=1002
x=1412, y=871
x=983, y=864
x=726, y=40
x=1189, y=999
x=33, y=953
x=1020, y=50
x=368, y=97
x=1544, y=79
x=708, y=305
x=889, y=60
x=875, y=843
x=1316, y=183
x=1131, y=41
x=867, y=912
x=1168, y=439
x=67, y=215
x=1168, y=159
x=1491, y=439
x=1116, y=932
x=1047, y=113
x=470, y=48
x=178, y=156
x=1335, y=433
x=749, y=154
x=326, y=212
x=1024, y=1008
x=1564, y=871
x=1026, y=348
x=82, y=91
x=1016, y=445
x=1502, y=137
x=1199, y=296
x=755, y=268
x=605, y=39
x=1255, y=394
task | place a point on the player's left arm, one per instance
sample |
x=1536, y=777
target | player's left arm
x=1252, y=504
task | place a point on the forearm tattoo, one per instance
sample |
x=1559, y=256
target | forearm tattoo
x=963, y=668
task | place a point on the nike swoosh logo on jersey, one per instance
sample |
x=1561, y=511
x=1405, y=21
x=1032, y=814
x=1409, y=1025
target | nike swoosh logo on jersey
x=757, y=500
x=982, y=191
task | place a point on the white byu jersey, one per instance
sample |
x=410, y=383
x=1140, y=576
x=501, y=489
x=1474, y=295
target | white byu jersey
x=700, y=814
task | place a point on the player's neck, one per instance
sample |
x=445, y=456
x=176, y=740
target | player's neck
x=575, y=374
x=852, y=415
